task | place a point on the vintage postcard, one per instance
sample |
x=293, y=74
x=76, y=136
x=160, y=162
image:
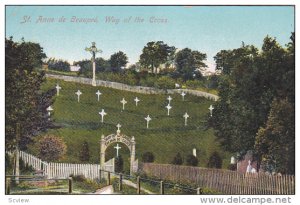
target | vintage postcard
x=150, y=100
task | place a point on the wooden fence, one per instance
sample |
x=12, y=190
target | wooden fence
x=137, y=89
x=64, y=170
x=223, y=181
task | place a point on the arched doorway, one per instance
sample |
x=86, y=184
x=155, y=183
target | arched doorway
x=109, y=139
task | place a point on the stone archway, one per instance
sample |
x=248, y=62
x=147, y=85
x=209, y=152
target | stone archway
x=109, y=139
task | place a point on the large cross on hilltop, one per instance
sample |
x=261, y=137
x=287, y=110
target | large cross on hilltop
x=93, y=50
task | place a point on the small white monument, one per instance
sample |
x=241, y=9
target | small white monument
x=102, y=113
x=117, y=148
x=123, y=101
x=211, y=109
x=169, y=108
x=119, y=126
x=186, y=116
x=195, y=152
x=57, y=89
x=78, y=93
x=98, y=93
x=232, y=160
x=169, y=99
x=136, y=101
x=148, y=118
x=183, y=94
x=49, y=109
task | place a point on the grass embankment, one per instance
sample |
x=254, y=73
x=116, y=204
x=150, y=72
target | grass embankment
x=165, y=137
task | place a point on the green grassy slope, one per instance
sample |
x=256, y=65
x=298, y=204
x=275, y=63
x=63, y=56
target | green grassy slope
x=166, y=135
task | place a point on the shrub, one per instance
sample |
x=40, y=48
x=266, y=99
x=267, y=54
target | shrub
x=178, y=160
x=232, y=167
x=84, y=154
x=51, y=148
x=119, y=164
x=148, y=157
x=194, y=84
x=165, y=82
x=215, y=161
x=191, y=160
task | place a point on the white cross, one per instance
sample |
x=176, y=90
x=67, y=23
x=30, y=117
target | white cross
x=118, y=126
x=102, y=113
x=211, y=109
x=185, y=118
x=169, y=98
x=148, y=118
x=117, y=148
x=169, y=108
x=98, y=93
x=183, y=94
x=123, y=102
x=49, y=109
x=78, y=93
x=136, y=101
x=57, y=89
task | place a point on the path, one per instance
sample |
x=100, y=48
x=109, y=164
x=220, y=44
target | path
x=105, y=190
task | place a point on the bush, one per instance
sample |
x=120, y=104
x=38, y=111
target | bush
x=51, y=148
x=165, y=82
x=84, y=154
x=215, y=161
x=119, y=164
x=232, y=167
x=194, y=84
x=78, y=178
x=148, y=157
x=178, y=160
x=191, y=160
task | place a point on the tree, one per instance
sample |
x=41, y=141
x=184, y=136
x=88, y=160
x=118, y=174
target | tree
x=118, y=60
x=215, y=161
x=246, y=94
x=25, y=103
x=191, y=160
x=119, y=163
x=84, y=154
x=60, y=65
x=188, y=61
x=165, y=82
x=148, y=157
x=51, y=148
x=177, y=160
x=86, y=67
x=275, y=142
x=155, y=54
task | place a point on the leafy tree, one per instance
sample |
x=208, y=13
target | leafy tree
x=118, y=60
x=178, y=160
x=84, y=154
x=119, y=164
x=25, y=103
x=191, y=160
x=215, y=161
x=51, y=148
x=86, y=67
x=60, y=65
x=188, y=61
x=155, y=54
x=275, y=142
x=246, y=93
x=148, y=157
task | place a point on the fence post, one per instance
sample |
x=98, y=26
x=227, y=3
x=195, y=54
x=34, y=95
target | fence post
x=108, y=178
x=120, y=182
x=199, y=191
x=162, y=188
x=7, y=190
x=100, y=175
x=70, y=185
x=138, y=185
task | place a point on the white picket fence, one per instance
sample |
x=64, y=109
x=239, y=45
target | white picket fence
x=64, y=170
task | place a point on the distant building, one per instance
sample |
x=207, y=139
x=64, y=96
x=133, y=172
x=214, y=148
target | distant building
x=74, y=68
x=243, y=165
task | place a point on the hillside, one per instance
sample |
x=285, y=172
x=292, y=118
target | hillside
x=165, y=137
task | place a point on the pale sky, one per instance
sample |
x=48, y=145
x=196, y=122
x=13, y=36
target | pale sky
x=207, y=29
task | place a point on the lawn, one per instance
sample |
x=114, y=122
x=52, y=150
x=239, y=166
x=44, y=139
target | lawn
x=165, y=137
